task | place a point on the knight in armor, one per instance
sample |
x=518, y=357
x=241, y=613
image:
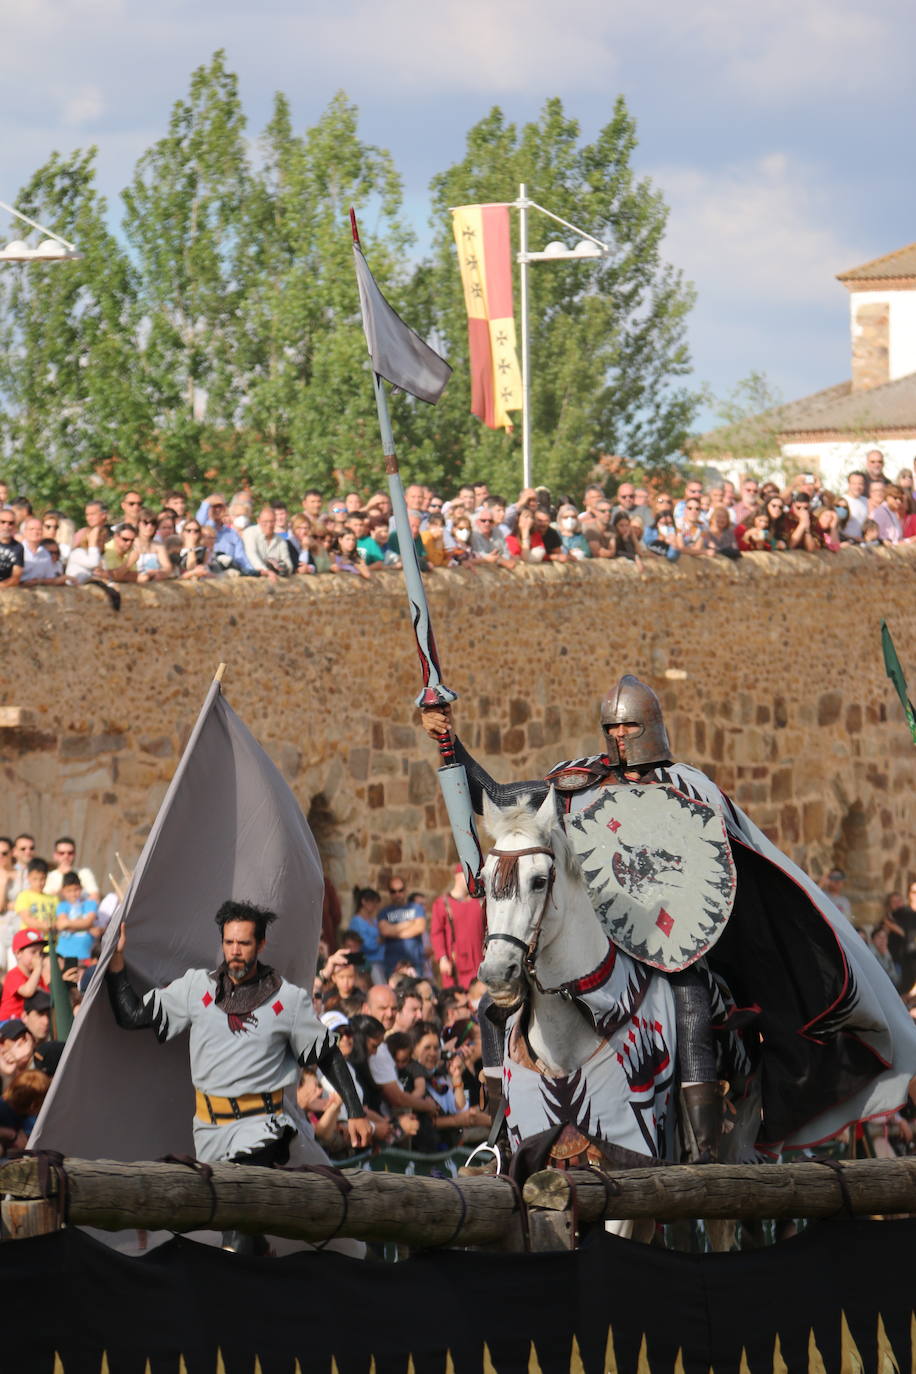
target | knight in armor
x=831, y=1041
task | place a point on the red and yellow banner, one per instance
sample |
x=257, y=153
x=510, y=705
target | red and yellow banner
x=485, y=258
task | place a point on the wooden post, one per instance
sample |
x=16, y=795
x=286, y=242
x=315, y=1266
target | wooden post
x=24, y=1219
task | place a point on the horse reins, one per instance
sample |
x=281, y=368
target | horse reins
x=531, y=948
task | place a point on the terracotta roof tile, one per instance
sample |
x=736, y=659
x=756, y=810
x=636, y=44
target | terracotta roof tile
x=891, y=406
x=900, y=263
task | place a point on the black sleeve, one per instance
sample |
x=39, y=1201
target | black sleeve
x=130, y=1012
x=334, y=1067
x=500, y=793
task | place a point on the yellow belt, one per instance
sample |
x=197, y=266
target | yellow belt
x=214, y=1109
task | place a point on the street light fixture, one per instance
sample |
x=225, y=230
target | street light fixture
x=587, y=248
x=52, y=248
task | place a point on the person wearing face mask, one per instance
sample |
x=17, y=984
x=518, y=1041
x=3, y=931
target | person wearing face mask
x=662, y=537
x=458, y=540
x=573, y=540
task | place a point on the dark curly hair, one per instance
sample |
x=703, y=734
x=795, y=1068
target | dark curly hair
x=246, y=911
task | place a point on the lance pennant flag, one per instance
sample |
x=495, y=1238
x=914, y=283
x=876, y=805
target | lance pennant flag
x=398, y=354
x=229, y=827
x=894, y=671
x=484, y=256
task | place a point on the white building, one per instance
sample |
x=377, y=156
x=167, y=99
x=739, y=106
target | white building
x=829, y=432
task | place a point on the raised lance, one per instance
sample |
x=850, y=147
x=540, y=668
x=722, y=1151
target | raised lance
x=401, y=357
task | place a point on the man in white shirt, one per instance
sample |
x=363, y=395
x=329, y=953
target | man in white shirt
x=382, y=1003
x=65, y=862
x=856, y=500
x=38, y=566
x=267, y=552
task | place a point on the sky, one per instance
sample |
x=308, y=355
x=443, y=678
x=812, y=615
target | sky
x=781, y=134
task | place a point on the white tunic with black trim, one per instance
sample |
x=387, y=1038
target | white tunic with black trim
x=233, y=1055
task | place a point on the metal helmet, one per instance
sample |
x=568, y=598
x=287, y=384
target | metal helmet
x=632, y=700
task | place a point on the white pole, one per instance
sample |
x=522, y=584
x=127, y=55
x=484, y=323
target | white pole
x=526, y=362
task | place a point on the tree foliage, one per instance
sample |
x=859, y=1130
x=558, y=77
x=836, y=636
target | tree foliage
x=217, y=334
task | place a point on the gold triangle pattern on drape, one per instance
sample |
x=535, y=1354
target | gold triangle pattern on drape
x=851, y=1360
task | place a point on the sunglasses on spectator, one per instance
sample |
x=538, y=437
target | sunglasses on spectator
x=147, y=520
x=484, y=520
x=397, y=891
x=217, y=505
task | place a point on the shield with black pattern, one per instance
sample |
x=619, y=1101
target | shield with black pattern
x=659, y=870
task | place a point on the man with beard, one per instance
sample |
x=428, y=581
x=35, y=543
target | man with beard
x=830, y=1039
x=250, y=1031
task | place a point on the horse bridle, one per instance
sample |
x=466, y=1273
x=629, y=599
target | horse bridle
x=530, y=949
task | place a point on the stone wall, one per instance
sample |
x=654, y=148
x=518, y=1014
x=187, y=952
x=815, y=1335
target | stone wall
x=770, y=672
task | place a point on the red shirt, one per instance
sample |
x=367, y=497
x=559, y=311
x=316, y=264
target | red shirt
x=11, y=1003
x=459, y=939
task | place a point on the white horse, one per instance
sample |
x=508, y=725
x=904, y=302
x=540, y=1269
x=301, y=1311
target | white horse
x=590, y=1042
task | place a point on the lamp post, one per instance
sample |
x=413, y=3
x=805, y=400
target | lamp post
x=588, y=248
x=52, y=248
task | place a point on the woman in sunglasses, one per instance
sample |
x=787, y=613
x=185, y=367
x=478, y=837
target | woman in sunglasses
x=194, y=554
x=152, y=562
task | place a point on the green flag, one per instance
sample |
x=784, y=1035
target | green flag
x=895, y=673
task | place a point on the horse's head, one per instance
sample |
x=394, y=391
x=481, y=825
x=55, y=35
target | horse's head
x=519, y=876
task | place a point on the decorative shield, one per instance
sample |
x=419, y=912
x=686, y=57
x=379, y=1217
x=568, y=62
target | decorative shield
x=659, y=870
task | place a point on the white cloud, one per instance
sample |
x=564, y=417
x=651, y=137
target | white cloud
x=470, y=45
x=82, y=106
x=790, y=48
x=769, y=230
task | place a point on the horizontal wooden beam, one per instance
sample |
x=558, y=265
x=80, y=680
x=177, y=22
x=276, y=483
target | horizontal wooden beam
x=481, y=1210
x=868, y=1187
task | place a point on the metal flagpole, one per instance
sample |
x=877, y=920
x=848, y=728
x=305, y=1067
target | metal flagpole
x=451, y=774
x=522, y=204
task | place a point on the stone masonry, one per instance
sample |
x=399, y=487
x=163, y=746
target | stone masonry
x=770, y=673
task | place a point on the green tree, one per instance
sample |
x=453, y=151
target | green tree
x=750, y=419
x=608, y=338
x=70, y=407
x=309, y=410
x=182, y=213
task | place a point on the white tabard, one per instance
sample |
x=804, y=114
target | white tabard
x=231, y=1056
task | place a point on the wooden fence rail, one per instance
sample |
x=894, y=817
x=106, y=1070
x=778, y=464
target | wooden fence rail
x=425, y=1212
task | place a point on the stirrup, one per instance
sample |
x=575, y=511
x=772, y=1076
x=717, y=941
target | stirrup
x=490, y=1149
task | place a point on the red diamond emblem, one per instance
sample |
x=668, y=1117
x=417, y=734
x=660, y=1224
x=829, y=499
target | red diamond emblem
x=613, y=826
x=664, y=922
x=206, y=999
x=277, y=1007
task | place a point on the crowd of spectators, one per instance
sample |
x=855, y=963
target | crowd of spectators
x=128, y=539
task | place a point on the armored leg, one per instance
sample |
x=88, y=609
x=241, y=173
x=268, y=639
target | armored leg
x=701, y=1098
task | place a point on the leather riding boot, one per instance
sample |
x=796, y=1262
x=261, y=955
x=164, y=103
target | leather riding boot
x=702, y=1122
x=494, y=1087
